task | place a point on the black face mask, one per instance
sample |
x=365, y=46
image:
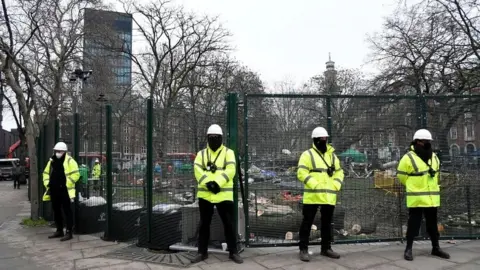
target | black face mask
x=320, y=144
x=424, y=151
x=214, y=142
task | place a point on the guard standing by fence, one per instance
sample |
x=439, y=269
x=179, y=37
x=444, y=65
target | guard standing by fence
x=59, y=178
x=96, y=173
x=320, y=171
x=418, y=170
x=215, y=169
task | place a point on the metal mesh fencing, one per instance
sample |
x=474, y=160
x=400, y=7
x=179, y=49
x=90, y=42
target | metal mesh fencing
x=178, y=134
x=370, y=134
x=454, y=125
x=91, y=205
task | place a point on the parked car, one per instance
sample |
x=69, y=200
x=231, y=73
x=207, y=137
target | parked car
x=9, y=167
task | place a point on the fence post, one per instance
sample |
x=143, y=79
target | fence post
x=329, y=117
x=149, y=168
x=109, y=141
x=469, y=210
x=245, y=169
x=40, y=172
x=424, y=110
x=76, y=137
x=232, y=135
x=418, y=112
x=57, y=130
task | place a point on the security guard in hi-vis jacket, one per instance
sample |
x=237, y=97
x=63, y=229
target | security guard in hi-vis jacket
x=215, y=169
x=320, y=172
x=418, y=170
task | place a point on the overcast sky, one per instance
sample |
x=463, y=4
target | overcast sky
x=285, y=39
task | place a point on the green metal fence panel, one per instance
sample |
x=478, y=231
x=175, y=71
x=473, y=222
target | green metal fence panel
x=370, y=135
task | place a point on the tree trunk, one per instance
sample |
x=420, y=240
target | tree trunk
x=32, y=152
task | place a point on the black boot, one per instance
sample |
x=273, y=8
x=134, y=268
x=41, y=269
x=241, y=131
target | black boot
x=236, y=258
x=199, y=257
x=437, y=251
x=304, y=256
x=408, y=254
x=67, y=236
x=57, y=234
x=330, y=253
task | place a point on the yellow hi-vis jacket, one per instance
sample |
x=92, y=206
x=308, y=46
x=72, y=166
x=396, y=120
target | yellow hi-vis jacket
x=422, y=189
x=224, y=159
x=319, y=187
x=96, y=171
x=71, y=173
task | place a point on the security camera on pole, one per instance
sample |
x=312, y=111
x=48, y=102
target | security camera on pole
x=77, y=77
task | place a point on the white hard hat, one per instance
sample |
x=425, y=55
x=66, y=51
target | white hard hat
x=214, y=130
x=422, y=134
x=319, y=132
x=60, y=146
x=96, y=160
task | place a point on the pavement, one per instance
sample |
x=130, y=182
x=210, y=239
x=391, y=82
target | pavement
x=29, y=249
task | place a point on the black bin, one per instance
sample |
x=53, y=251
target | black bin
x=127, y=224
x=90, y=219
x=166, y=230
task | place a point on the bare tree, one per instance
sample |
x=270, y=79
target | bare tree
x=14, y=36
x=423, y=52
x=177, y=43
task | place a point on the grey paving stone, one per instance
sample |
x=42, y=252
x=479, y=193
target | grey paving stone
x=128, y=266
x=459, y=255
x=278, y=260
x=92, y=244
x=468, y=266
x=164, y=267
x=424, y=263
x=246, y=265
x=360, y=260
x=97, y=251
x=314, y=264
x=97, y=262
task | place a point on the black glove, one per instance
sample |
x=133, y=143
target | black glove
x=213, y=187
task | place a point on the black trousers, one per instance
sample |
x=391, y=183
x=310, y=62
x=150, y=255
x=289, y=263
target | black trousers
x=16, y=181
x=61, y=201
x=225, y=210
x=415, y=221
x=309, y=212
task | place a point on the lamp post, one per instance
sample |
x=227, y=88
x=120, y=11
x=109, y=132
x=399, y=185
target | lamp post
x=77, y=77
x=101, y=98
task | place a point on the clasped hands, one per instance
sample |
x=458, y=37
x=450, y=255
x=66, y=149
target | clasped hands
x=213, y=187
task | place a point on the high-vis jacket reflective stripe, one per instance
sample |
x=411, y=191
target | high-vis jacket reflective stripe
x=319, y=187
x=71, y=173
x=422, y=190
x=223, y=176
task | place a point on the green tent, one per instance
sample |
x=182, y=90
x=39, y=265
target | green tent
x=355, y=155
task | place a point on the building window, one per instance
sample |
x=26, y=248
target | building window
x=453, y=133
x=470, y=148
x=126, y=150
x=469, y=132
x=454, y=150
x=144, y=150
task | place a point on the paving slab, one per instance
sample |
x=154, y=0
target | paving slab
x=425, y=263
x=246, y=265
x=360, y=260
x=90, y=263
x=278, y=260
